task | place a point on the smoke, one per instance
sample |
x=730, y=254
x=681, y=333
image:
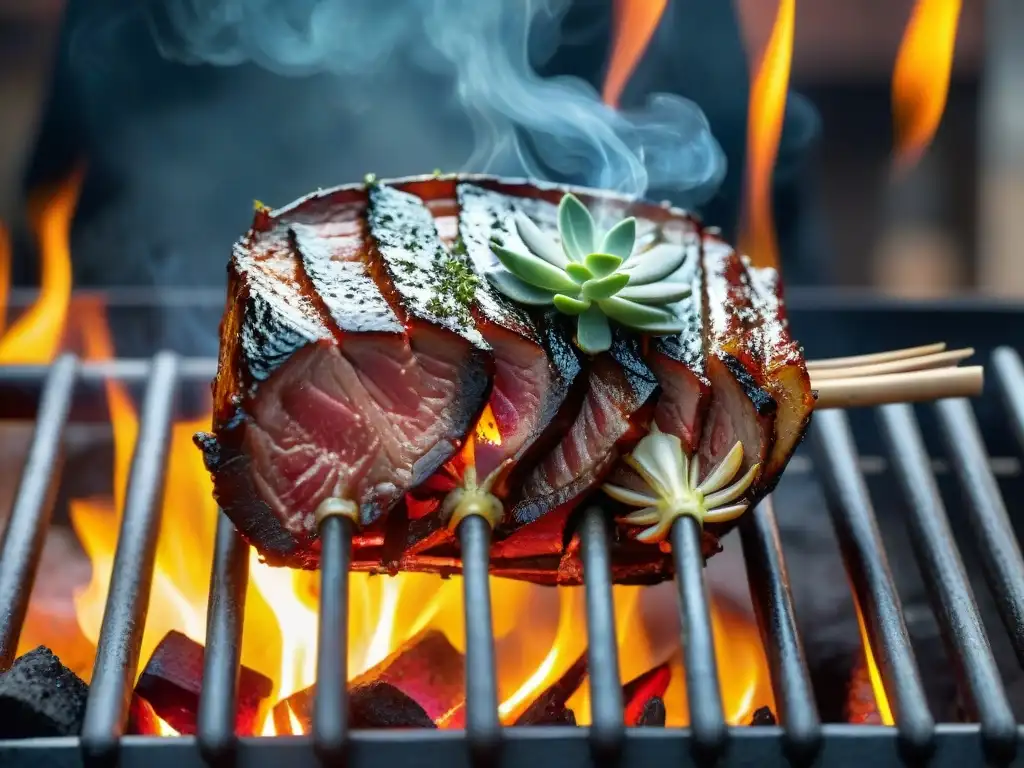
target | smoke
x=554, y=128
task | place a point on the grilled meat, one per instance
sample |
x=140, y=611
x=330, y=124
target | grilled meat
x=364, y=355
x=741, y=408
x=347, y=367
x=786, y=374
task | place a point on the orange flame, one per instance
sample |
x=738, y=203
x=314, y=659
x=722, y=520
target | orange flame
x=881, y=699
x=634, y=23
x=5, y=275
x=764, y=129
x=36, y=336
x=920, y=79
x=280, y=628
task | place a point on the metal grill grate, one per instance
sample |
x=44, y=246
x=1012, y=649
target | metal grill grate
x=800, y=738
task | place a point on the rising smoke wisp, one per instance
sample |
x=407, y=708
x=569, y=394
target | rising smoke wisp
x=555, y=128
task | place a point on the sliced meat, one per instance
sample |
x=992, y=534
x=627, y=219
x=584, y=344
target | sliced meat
x=535, y=365
x=786, y=373
x=741, y=407
x=680, y=361
x=348, y=367
x=618, y=407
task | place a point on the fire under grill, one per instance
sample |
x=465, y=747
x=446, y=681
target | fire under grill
x=988, y=732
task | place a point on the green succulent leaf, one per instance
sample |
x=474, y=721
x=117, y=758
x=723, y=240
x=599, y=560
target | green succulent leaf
x=656, y=264
x=601, y=264
x=515, y=289
x=593, y=333
x=655, y=293
x=620, y=239
x=635, y=315
x=605, y=287
x=575, y=227
x=578, y=272
x=538, y=242
x=534, y=270
x=568, y=305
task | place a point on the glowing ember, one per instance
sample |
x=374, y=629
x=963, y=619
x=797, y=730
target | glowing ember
x=920, y=79
x=634, y=24
x=881, y=699
x=764, y=128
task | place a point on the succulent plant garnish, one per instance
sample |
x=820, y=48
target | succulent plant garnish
x=590, y=277
x=673, y=489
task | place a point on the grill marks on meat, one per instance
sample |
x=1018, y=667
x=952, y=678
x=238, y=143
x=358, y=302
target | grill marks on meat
x=786, y=373
x=741, y=407
x=535, y=365
x=354, y=362
x=618, y=406
x=340, y=373
x=680, y=361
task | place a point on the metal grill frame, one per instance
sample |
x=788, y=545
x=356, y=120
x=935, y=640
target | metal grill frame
x=799, y=739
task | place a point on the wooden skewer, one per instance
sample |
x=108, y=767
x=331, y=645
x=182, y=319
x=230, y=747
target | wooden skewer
x=919, y=363
x=876, y=357
x=907, y=387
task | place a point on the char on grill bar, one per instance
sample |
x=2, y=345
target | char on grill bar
x=365, y=357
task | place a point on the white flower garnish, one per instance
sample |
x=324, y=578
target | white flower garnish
x=475, y=498
x=671, y=477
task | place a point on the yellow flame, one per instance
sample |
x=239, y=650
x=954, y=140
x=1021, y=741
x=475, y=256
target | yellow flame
x=634, y=23
x=881, y=699
x=920, y=79
x=764, y=129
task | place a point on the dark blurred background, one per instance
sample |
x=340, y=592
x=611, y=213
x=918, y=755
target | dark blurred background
x=176, y=152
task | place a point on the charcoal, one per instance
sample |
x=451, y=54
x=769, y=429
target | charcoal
x=427, y=670
x=652, y=714
x=173, y=678
x=142, y=718
x=763, y=716
x=640, y=690
x=382, y=705
x=40, y=697
x=549, y=708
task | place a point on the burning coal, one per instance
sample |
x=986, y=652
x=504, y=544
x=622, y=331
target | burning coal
x=545, y=128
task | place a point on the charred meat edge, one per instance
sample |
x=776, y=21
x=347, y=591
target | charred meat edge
x=240, y=371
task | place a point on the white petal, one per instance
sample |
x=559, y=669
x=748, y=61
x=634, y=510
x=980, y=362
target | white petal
x=628, y=495
x=661, y=456
x=725, y=471
x=645, y=516
x=725, y=514
x=733, y=491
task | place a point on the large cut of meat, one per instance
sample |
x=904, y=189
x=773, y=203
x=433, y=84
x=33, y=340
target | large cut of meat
x=366, y=356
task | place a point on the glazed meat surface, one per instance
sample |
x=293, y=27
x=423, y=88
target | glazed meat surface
x=365, y=356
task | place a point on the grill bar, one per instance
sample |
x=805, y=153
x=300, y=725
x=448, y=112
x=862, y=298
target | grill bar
x=218, y=698
x=704, y=696
x=773, y=604
x=124, y=616
x=330, y=705
x=607, y=731
x=802, y=737
x=868, y=568
x=1000, y=553
x=33, y=505
x=946, y=577
x=1010, y=378
x=483, y=727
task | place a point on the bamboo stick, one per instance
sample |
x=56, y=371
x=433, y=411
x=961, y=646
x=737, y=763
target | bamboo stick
x=919, y=363
x=907, y=387
x=875, y=357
